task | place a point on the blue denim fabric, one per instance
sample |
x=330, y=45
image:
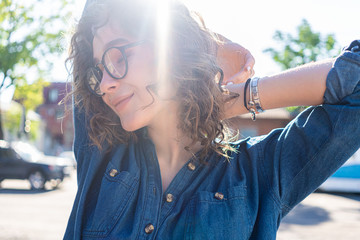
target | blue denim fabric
x=265, y=179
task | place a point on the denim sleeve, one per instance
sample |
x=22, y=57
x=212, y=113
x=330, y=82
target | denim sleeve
x=81, y=145
x=344, y=76
x=297, y=159
x=87, y=155
x=81, y=136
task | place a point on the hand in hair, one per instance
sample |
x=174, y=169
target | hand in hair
x=236, y=61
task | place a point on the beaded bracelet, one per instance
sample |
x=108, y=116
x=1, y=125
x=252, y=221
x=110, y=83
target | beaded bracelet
x=254, y=93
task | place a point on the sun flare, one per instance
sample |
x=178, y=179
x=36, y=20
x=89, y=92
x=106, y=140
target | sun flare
x=163, y=19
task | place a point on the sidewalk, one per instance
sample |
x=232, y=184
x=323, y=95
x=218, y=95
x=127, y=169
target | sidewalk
x=323, y=216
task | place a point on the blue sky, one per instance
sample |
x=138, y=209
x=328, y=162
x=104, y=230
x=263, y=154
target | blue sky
x=252, y=23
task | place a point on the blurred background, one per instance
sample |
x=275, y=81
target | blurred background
x=36, y=132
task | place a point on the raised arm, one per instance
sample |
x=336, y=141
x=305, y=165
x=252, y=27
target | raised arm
x=304, y=85
x=295, y=160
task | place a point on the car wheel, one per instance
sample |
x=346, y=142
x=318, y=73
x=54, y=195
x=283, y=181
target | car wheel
x=37, y=180
x=55, y=183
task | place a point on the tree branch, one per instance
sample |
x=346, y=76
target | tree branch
x=3, y=81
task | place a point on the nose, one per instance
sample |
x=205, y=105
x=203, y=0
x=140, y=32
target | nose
x=108, y=84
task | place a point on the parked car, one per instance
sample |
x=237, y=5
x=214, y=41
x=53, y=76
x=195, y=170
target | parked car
x=346, y=178
x=69, y=155
x=20, y=160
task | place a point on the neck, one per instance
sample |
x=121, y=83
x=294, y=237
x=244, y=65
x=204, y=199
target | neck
x=169, y=140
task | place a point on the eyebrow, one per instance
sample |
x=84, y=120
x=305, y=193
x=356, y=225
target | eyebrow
x=115, y=42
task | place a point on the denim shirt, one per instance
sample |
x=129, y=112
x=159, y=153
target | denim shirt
x=120, y=193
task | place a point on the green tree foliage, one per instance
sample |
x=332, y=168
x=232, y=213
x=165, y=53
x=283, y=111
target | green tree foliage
x=31, y=35
x=12, y=120
x=306, y=47
x=30, y=95
x=12, y=123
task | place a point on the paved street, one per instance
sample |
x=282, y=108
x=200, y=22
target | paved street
x=29, y=215
x=323, y=216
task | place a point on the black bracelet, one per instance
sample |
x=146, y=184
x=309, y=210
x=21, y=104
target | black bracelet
x=253, y=114
x=245, y=88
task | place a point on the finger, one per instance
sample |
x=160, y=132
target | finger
x=240, y=77
x=250, y=71
x=250, y=60
x=247, y=71
x=249, y=66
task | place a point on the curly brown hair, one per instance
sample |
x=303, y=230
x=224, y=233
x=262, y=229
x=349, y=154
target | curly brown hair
x=193, y=71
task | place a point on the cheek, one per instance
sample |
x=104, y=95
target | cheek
x=107, y=102
x=147, y=96
x=144, y=66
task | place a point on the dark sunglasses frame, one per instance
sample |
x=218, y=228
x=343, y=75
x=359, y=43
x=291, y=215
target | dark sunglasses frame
x=98, y=73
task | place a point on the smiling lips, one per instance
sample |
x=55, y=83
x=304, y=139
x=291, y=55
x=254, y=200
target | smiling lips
x=121, y=102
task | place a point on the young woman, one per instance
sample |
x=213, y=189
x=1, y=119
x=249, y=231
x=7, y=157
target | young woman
x=151, y=141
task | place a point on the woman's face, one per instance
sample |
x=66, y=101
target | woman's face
x=128, y=97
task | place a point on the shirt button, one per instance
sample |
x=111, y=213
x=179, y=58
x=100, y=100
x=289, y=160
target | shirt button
x=169, y=197
x=219, y=196
x=191, y=166
x=149, y=228
x=113, y=172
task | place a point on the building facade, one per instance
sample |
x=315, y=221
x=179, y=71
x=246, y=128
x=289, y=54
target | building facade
x=58, y=135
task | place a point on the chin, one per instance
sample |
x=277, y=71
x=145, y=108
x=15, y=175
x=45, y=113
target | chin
x=131, y=126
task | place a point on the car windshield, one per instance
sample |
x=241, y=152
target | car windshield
x=27, y=151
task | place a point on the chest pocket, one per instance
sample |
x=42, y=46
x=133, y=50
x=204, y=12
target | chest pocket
x=216, y=215
x=116, y=191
